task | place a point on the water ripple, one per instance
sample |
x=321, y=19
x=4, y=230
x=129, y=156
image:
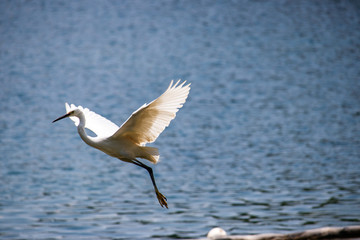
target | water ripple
x=267, y=142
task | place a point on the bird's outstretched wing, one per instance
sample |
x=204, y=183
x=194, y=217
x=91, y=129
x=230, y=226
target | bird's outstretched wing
x=101, y=126
x=146, y=123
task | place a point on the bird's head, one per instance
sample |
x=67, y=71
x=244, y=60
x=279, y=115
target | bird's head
x=73, y=113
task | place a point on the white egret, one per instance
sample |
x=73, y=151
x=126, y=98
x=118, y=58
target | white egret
x=127, y=142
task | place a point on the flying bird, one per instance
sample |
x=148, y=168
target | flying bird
x=128, y=141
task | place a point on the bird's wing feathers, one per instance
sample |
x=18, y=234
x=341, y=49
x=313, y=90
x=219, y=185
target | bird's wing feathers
x=101, y=126
x=146, y=123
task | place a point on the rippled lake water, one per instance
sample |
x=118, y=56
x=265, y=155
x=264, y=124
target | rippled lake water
x=268, y=141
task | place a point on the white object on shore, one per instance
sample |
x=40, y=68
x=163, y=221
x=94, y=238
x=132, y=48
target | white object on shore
x=216, y=232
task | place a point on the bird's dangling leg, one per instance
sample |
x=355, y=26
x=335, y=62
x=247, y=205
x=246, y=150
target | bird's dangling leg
x=161, y=198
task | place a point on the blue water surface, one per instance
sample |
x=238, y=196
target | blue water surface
x=268, y=141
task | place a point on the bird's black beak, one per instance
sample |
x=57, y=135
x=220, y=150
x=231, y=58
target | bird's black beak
x=65, y=116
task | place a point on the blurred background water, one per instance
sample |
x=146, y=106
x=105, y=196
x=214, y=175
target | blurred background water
x=268, y=141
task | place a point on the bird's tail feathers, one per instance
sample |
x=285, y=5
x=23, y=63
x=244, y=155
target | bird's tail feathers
x=151, y=154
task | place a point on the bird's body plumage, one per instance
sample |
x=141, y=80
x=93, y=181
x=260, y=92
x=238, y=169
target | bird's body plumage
x=127, y=142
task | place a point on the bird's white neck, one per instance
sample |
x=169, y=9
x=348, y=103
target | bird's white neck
x=81, y=130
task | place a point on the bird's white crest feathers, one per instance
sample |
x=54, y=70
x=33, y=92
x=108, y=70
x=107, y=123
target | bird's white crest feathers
x=101, y=126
